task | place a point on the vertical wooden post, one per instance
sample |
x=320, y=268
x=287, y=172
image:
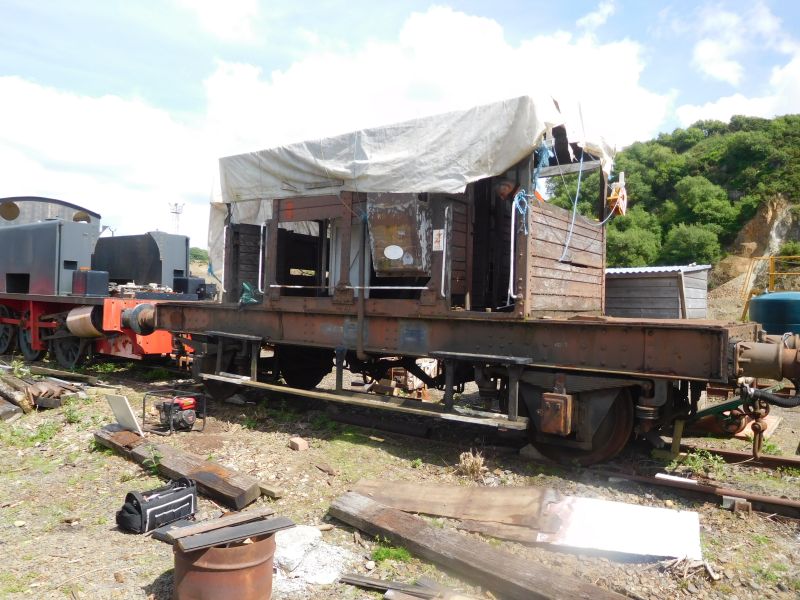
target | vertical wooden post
x=514, y=373
x=602, y=213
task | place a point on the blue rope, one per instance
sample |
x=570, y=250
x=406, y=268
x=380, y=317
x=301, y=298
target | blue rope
x=521, y=206
x=521, y=197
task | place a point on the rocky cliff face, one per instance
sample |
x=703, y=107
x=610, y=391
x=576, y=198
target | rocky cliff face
x=760, y=236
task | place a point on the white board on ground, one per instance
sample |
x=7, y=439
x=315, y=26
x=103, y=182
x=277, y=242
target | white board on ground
x=604, y=525
x=123, y=413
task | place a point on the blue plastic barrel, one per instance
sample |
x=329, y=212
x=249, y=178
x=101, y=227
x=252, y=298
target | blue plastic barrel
x=778, y=312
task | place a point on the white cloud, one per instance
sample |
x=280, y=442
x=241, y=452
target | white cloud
x=781, y=94
x=434, y=65
x=128, y=159
x=712, y=57
x=715, y=53
x=598, y=17
x=229, y=20
x=122, y=158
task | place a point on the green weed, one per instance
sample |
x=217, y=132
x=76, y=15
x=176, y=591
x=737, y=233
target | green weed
x=95, y=446
x=416, y=463
x=324, y=423
x=152, y=462
x=19, y=368
x=250, y=423
x=72, y=415
x=106, y=368
x=388, y=552
x=771, y=448
x=17, y=436
x=157, y=374
x=700, y=462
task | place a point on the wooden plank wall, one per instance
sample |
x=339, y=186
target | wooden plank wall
x=696, y=285
x=574, y=286
x=241, y=259
x=458, y=265
x=656, y=296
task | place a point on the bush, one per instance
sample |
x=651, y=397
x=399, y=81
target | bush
x=198, y=255
x=791, y=248
x=690, y=243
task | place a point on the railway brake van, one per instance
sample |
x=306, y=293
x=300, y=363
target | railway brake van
x=433, y=239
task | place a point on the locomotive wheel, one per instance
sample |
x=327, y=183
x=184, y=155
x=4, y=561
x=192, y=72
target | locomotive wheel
x=7, y=332
x=609, y=439
x=304, y=368
x=69, y=352
x=24, y=344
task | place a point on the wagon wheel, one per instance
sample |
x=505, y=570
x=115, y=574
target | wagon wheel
x=609, y=439
x=7, y=332
x=24, y=343
x=70, y=351
x=304, y=368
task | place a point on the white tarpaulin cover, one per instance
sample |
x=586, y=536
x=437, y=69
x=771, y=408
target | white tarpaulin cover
x=441, y=153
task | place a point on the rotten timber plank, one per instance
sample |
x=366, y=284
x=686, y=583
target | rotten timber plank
x=233, y=489
x=521, y=506
x=235, y=533
x=171, y=533
x=507, y=575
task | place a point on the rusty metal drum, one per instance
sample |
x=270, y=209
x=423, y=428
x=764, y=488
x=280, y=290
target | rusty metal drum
x=241, y=571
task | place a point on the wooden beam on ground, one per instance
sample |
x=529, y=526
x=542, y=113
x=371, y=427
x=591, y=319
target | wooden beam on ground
x=511, y=505
x=506, y=575
x=503, y=531
x=90, y=379
x=15, y=396
x=8, y=411
x=231, y=488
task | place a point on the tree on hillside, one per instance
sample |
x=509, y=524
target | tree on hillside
x=633, y=240
x=198, y=255
x=690, y=243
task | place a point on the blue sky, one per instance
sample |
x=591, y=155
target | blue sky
x=124, y=106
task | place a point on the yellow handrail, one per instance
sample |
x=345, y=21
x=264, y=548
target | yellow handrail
x=748, y=291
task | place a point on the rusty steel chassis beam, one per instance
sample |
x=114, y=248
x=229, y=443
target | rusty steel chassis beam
x=665, y=349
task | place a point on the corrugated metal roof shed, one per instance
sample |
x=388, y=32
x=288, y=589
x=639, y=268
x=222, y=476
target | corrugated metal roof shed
x=670, y=292
x=671, y=269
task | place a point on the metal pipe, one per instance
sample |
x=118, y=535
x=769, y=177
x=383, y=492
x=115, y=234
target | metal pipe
x=444, y=248
x=261, y=258
x=85, y=322
x=362, y=267
x=511, y=294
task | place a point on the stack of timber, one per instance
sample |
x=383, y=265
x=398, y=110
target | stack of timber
x=233, y=528
x=27, y=394
x=226, y=486
x=506, y=575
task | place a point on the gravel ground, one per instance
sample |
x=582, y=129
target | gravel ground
x=58, y=495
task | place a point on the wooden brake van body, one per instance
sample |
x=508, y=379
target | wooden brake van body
x=427, y=239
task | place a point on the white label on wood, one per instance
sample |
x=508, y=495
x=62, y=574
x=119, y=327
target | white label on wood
x=438, y=240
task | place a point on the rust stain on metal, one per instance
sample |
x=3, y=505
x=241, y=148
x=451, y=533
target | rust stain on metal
x=241, y=572
x=556, y=413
